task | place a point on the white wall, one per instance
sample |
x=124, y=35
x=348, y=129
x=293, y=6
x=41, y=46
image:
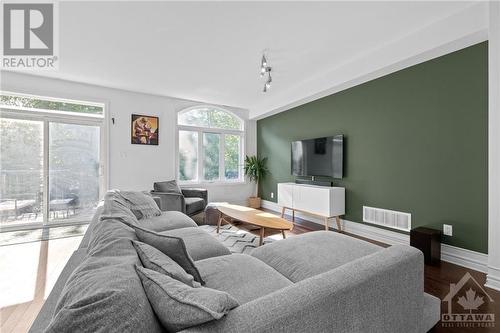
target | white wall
x=134, y=167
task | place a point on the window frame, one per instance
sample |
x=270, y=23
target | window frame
x=200, y=130
x=64, y=117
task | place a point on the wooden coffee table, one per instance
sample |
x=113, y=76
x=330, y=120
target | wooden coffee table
x=254, y=217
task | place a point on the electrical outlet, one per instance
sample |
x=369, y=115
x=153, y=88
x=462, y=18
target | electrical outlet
x=448, y=229
x=272, y=195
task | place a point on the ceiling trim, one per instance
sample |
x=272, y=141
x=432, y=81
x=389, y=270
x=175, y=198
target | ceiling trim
x=462, y=29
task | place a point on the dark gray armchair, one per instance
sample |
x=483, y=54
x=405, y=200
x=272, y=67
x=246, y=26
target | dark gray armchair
x=190, y=201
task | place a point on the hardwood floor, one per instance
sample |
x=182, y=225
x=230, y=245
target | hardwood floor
x=28, y=273
x=30, y=270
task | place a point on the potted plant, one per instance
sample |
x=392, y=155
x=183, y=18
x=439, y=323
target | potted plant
x=255, y=169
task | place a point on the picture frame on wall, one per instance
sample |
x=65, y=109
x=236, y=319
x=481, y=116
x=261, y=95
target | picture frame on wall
x=145, y=130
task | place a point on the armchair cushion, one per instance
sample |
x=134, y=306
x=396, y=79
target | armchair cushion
x=194, y=205
x=168, y=186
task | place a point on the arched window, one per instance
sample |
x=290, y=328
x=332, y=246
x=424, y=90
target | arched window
x=210, y=145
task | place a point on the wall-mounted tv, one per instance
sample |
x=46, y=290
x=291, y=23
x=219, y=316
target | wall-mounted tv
x=318, y=157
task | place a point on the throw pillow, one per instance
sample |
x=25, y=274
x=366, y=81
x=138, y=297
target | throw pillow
x=141, y=204
x=172, y=246
x=179, y=306
x=115, y=207
x=155, y=260
x=170, y=186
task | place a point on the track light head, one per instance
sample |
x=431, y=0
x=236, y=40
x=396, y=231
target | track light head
x=265, y=69
x=263, y=62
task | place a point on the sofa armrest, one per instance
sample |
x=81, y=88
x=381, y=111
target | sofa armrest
x=196, y=193
x=170, y=201
x=381, y=292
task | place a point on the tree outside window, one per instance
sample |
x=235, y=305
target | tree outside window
x=210, y=145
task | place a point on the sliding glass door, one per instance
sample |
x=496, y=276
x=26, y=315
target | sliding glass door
x=74, y=171
x=51, y=161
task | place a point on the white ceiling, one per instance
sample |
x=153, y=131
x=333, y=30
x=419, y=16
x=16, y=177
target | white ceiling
x=210, y=51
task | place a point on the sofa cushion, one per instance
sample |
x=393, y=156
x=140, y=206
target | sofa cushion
x=194, y=205
x=312, y=253
x=154, y=259
x=242, y=276
x=105, y=294
x=141, y=204
x=168, y=186
x=105, y=231
x=199, y=244
x=178, y=305
x=172, y=246
x=167, y=221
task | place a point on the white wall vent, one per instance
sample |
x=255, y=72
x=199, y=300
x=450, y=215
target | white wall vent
x=387, y=218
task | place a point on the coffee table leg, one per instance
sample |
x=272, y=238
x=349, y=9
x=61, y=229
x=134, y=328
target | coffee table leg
x=261, y=236
x=283, y=233
x=219, y=223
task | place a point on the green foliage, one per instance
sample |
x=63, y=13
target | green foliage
x=255, y=169
x=73, y=161
x=209, y=117
x=232, y=156
x=211, y=156
x=35, y=103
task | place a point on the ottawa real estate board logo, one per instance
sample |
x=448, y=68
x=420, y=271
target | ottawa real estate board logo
x=468, y=305
x=30, y=38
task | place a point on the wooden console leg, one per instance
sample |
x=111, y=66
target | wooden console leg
x=293, y=215
x=261, y=240
x=219, y=223
x=283, y=233
x=326, y=224
x=339, y=226
x=282, y=212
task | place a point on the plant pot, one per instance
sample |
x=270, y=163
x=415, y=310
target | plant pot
x=254, y=202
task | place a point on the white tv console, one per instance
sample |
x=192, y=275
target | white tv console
x=324, y=201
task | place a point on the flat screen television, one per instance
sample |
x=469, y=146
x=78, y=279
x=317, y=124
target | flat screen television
x=318, y=157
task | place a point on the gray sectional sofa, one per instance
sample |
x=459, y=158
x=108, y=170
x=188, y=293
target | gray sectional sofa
x=316, y=282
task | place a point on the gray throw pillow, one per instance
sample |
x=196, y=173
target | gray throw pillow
x=141, y=204
x=115, y=207
x=170, y=186
x=173, y=247
x=179, y=306
x=157, y=261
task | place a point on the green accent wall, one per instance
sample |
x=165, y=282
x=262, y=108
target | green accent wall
x=415, y=141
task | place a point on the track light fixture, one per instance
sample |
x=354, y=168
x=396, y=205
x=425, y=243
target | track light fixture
x=265, y=68
x=267, y=85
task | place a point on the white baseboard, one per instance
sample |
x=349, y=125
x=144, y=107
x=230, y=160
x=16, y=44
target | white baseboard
x=493, y=278
x=452, y=254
